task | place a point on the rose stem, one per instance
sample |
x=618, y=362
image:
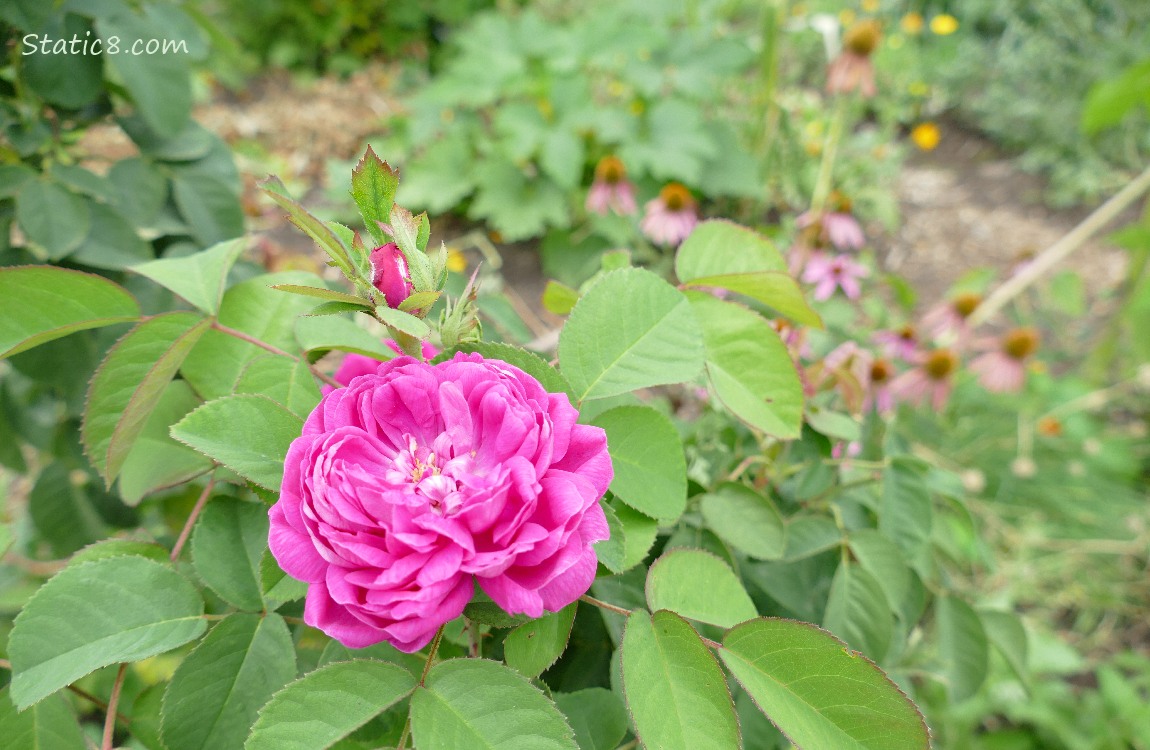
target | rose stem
x=627, y=612
x=110, y=718
x=199, y=506
x=422, y=679
x=273, y=349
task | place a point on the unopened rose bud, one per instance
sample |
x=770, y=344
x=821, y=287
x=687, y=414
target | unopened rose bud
x=389, y=274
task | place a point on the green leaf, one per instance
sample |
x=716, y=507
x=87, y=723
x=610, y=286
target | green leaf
x=210, y=207
x=159, y=84
x=809, y=535
x=1109, y=101
x=13, y=177
x=249, y=434
x=52, y=216
x=906, y=513
x=698, y=586
x=475, y=704
x=39, y=304
x=141, y=189
x=534, y=646
x=407, y=231
x=490, y=613
x=639, y=532
x=373, y=186
x=288, y=383
x=324, y=706
x=882, y=558
x=156, y=460
x=630, y=330
x=561, y=158
x=118, y=609
x=277, y=586
x=320, y=232
x=746, y=520
x=559, y=298
x=776, y=289
x=198, y=278
x=516, y=205
x=130, y=383
x=819, y=693
x=529, y=362
x=404, y=322
x=322, y=293
x=112, y=242
x=316, y=336
x=718, y=247
x=963, y=646
x=216, y=692
x=215, y=365
x=749, y=367
x=227, y=545
x=1006, y=632
x=50, y=725
x=597, y=716
x=858, y=612
x=62, y=515
x=675, y=689
x=647, y=454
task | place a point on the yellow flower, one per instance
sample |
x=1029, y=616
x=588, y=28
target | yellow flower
x=918, y=88
x=870, y=6
x=944, y=24
x=926, y=135
x=911, y=23
x=846, y=17
x=456, y=261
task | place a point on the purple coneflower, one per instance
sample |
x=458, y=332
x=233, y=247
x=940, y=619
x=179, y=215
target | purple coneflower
x=949, y=318
x=878, y=392
x=827, y=272
x=611, y=190
x=853, y=70
x=848, y=367
x=899, y=344
x=668, y=219
x=1003, y=370
x=931, y=380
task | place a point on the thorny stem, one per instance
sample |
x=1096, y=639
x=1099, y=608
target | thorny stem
x=402, y=744
x=178, y=547
x=110, y=719
x=627, y=612
x=217, y=325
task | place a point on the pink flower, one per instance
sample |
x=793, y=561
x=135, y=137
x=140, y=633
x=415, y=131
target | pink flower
x=1003, y=370
x=611, y=190
x=844, y=231
x=879, y=394
x=949, y=318
x=828, y=272
x=668, y=219
x=848, y=367
x=931, y=380
x=354, y=365
x=389, y=274
x=853, y=70
x=901, y=344
x=416, y=479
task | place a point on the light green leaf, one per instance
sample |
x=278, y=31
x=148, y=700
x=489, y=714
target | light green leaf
x=776, y=289
x=198, y=278
x=609, y=551
x=719, y=247
x=559, y=298
x=49, y=725
x=316, y=336
x=320, y=232
x=63, y=516
x=882, y=558
x=156, y=461
x=534, y=646
x=906, y=513
x=405, y=322
x=252, y=307
x=963, y=646
x=373, y=186
x=597, y=716
x=475, y=704
x=39, y=304
x=675, y=689
x=630, y=330
x=130, y=383
x=809, y=535
x=324, y=706
x=698, y=586
x=749, y=367
x=639, y=532
x=1006, y=632
x=277, y=586
x=228, y=542
x=858, y=612
x=52, y=216
x=322, y=293
x=288, y=383
x=647, y=454
x=216, y=692
x=746, y=520
x=819, y=693
x=249, y=434
x=118, y=609
x=561, y=158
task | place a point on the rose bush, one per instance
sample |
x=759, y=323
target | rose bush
x=417, y=478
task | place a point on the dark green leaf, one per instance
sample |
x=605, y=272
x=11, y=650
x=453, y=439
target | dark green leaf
x=111, y=243
x=373, y=186
x=746, y=520
x=536, y=645
x=49, y=725
x=63, y=516
x=210, y=207
x=157, y=461
x=1006, y=632
x=228, y=542
x=53, y=217
x=858, y=612
x=963, y=646
x=597, y=716
x=159, y=84
x=906, y=513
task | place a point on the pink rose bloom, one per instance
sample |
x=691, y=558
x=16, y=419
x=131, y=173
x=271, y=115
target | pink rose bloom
x=611, y=190
x=417, y=479
x=354, y=365
x=931, y=381
x=389, y=274
x=1003, y=370
x=828, y=272
x=670, y=218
